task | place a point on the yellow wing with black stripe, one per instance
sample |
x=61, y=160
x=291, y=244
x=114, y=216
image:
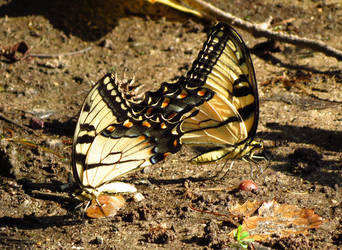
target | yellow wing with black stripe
x=216, y=105
x=225, y=125
x=111, y=141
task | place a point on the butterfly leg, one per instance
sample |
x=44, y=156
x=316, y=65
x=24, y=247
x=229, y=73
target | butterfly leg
x=226, y=172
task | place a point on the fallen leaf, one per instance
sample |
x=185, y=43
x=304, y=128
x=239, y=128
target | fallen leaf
x=105, y=206
x=273, y=219
x=177, y=5
x=246, y=209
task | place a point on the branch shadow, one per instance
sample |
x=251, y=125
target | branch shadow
x=270, y=58
x=29, y=222
x=178, y=181
x=56, y=127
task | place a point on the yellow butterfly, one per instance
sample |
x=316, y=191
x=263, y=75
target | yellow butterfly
x=224, y=126
x=218, y=99
x=110, y=140
x=214, y=108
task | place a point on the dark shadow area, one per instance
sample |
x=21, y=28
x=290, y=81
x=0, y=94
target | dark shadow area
x=306, y=162
x=200, y=241
x=6, y=166
x=309, y=165
x=58, y=192
x=29, y=185
x=329, y=140
x=90, y=20
x=29, y=222
x=56, y=127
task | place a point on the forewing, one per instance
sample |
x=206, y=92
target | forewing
x=230, y=116
x=110, y=140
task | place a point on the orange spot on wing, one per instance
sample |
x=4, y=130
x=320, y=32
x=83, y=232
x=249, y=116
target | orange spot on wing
x=142, y=138
x=110, y=129
x=165, y=103
x=201, y=92
x=175, y=143
x=146, y=124
x=163, y=125
x=166, y=154
x=128, y=124
x=182, y=95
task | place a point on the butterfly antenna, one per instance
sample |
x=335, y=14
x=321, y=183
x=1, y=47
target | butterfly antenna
x=264, y=157
x=84, y=209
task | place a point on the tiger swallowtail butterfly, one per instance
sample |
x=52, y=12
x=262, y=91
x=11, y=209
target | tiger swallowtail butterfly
x=220, y=96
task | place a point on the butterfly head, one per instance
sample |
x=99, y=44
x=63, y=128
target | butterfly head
x=255, y=146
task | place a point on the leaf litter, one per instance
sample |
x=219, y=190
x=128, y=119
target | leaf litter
x=264, y=220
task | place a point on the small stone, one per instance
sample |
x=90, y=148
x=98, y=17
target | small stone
x=138, y=197
x=106, y=43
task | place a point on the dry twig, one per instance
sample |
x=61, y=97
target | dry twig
x=10, y=52
x=258, y=30
x=61, y=54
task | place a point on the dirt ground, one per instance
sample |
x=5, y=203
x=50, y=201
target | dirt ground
x=300, y=124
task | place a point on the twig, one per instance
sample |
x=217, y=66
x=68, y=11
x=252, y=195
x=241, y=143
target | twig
x=258, y=30
x=61, y=54
x=229, y=217
x=6, y=119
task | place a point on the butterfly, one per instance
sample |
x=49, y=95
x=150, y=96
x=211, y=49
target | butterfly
x=225, y=126
x=110, y=140
x=218, y=97
x=214, y=108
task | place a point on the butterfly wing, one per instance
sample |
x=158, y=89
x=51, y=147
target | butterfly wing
x=110, y=141
x=172, y=102
x=226, y=124
x=216, y=103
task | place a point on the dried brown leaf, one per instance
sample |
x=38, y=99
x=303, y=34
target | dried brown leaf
x=273, y=219
x=109, y=206
x=178, y=5
x=246, y=209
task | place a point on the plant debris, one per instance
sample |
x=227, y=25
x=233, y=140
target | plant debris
x=274, y=219
x=105, y=206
